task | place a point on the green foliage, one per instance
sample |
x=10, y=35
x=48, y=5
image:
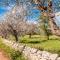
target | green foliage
x=16, y=55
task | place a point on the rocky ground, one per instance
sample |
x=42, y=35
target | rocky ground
x=32, y=53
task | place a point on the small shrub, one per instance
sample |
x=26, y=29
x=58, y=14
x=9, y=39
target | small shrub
x=15, y=55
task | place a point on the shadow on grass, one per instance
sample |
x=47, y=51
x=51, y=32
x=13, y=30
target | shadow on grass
x=34, y=42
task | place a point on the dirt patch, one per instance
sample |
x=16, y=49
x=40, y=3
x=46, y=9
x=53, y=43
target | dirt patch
x=3, y=55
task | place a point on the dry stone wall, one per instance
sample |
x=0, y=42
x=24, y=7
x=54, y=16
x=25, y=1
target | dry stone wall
x=32, y=53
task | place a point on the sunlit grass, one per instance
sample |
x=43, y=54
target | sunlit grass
x=39, y=42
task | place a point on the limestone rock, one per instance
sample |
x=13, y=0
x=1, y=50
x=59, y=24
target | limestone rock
x=58, y=58
x=53, y=56
x=32, y=53
x=43, y=59
x=33, y=50
x=21, y=48
x=15, y=46
x=33, y=57
x=45, y=54
x=39, y=54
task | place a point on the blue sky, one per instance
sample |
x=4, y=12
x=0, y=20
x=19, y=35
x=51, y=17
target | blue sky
x=35, y=13
x=2, y=10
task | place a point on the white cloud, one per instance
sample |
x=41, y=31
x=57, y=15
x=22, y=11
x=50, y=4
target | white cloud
x=57, y=14
x=57, y=18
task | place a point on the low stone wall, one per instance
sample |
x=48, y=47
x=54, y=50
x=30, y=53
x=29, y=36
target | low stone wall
x=32, y=53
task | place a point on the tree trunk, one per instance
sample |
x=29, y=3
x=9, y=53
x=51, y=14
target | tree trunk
x=29, y=35
x=53, y=26
x=44, y=27
x=15, y=35
x=47, y=33
x=47, y=36
x=16, y=38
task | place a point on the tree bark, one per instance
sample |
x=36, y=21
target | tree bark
x=15, y=35
x=16, y=38
x=29, y=35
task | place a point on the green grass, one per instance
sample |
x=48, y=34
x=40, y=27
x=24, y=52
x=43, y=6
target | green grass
x=14, y=55
x=39, y=42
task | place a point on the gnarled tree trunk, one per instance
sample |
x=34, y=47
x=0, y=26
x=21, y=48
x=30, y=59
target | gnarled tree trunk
x=53, y=27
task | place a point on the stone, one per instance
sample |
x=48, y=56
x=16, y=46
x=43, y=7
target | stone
x=27, y=50
x=58, y=58
x=33, y=57
x=53, y=56
x=21, y=48
x=39, y=52
x=39, y=56
x=15, y=46
x=45, y=55
x=25, y=53
x=43, y=59
x=33, y=50
x=32, y=53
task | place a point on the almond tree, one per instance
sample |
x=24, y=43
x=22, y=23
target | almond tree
x=15, y=25
x=15, y=20
x=3, y=29
x=31, y=29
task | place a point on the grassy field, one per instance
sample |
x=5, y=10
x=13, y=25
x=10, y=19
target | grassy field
x=12, y=54
x=39, y=42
